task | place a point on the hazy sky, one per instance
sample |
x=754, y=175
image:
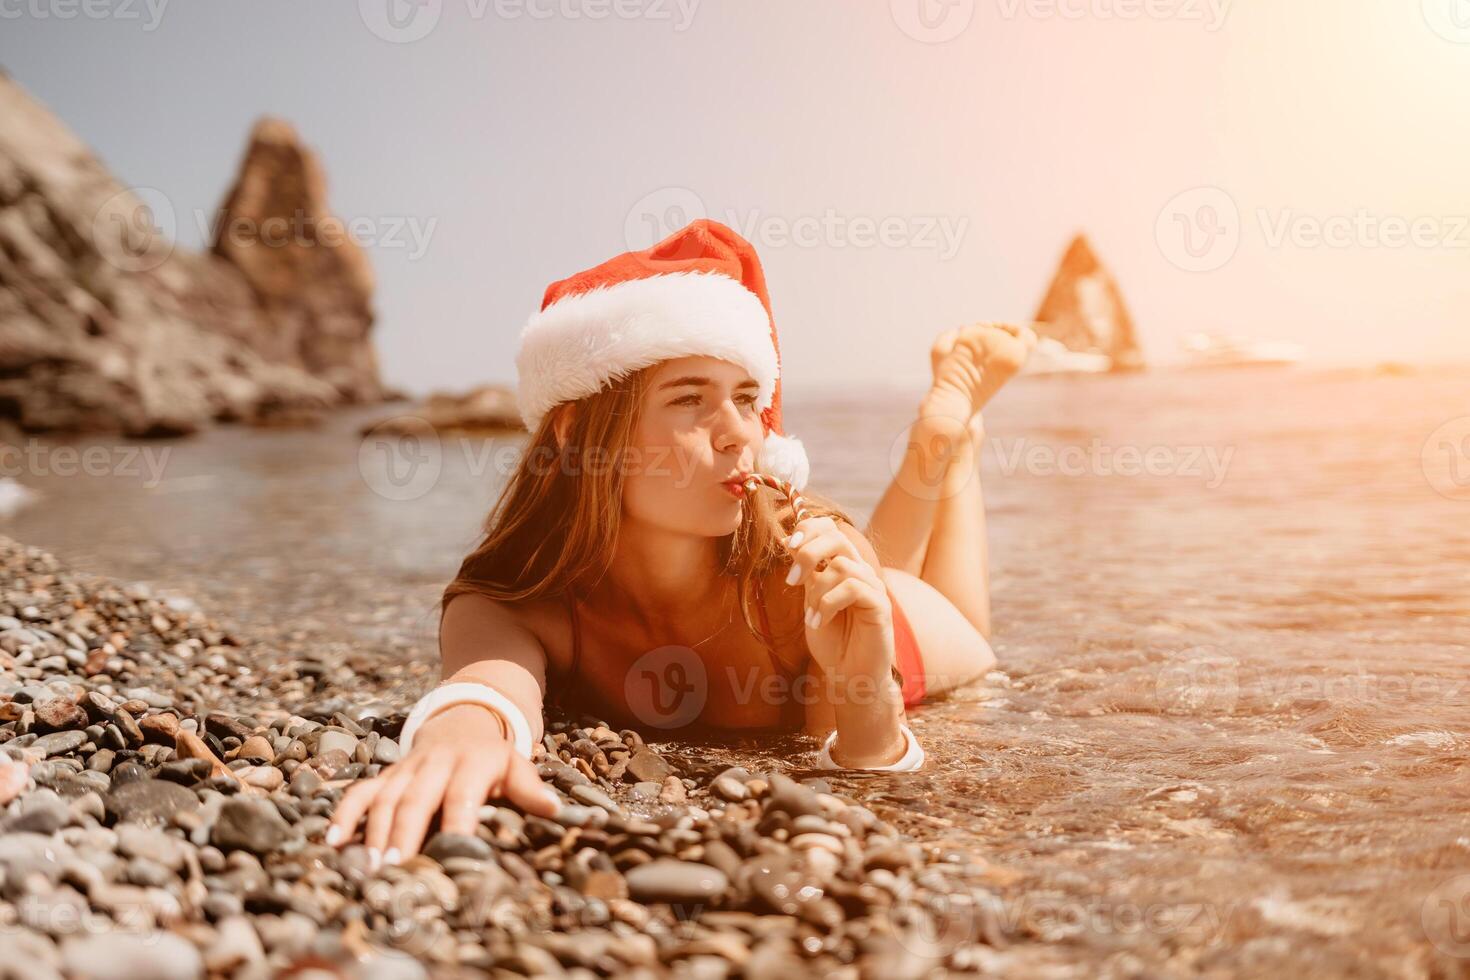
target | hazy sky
x=1291, y=169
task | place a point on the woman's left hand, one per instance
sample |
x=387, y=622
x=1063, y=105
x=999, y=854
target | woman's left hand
x=849, y=625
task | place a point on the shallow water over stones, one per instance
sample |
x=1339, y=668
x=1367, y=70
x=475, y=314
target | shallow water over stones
x=1227, y=734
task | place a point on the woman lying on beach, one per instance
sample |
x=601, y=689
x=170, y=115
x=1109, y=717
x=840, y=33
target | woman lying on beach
x=613, y=565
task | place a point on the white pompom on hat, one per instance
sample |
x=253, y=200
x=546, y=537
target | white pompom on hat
x=700, y=291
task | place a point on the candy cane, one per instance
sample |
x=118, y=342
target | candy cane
x=798, y=502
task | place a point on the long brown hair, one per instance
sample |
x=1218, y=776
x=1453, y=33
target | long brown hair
x=554, y=526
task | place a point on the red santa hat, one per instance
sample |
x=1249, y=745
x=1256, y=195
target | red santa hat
x=700, y=291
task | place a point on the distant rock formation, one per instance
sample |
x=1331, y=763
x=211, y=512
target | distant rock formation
x=106, y=325
x=484, y=410
x=1084, y=310
x=315, y=284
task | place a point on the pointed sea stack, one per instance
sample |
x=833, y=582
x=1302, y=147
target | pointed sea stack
x=313, y=281
x=1084, y=310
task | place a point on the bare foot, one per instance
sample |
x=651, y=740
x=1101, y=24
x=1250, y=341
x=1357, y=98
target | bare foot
x=971, y=364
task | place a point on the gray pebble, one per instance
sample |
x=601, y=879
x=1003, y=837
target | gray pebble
x=443, y=846
x=132, y=956
x=249, y=824
x=668, y=880
x=149, y=801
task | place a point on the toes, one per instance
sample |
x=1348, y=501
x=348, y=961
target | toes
x=1015, y=330
x=943, y=344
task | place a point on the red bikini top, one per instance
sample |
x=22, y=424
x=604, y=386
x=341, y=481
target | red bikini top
x=568, y=693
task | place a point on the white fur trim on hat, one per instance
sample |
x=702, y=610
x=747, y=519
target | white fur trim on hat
x=784, y=458
x=583, y=341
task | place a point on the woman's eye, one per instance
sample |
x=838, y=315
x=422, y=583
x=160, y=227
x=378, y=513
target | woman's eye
x=746, y=400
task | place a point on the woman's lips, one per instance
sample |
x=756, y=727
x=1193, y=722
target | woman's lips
x=735, y=488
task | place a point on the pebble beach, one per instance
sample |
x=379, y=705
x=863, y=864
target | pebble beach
x=165, y=804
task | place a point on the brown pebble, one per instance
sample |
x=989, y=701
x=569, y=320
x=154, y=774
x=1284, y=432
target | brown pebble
x=333, y=759
x=256, y=747
x=647, y=766
x=222, y=726
x=606, y=885
x=187, y=745
x=59, y=716
x=129, y=728
x=673, y=791
x=99, y=707
x=268, y=778
x=159, y=729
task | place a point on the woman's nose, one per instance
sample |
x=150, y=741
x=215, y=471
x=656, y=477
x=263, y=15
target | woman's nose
x=730, y=431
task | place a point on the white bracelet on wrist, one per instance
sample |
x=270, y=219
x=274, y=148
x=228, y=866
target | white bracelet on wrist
x=470, y=692
x=912, y=759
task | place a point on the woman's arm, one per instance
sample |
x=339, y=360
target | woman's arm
x=475, y=625
x=461, y=755
x=852, y=643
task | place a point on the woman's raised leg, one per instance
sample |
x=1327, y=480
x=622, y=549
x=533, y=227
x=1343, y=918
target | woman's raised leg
x=930, y=522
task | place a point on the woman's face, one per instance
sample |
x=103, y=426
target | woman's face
x=698, y=427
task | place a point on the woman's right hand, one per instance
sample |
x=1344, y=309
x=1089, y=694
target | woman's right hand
x=459, y=758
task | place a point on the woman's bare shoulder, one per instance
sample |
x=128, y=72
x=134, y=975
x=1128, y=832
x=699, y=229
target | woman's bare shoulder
x=545, y=619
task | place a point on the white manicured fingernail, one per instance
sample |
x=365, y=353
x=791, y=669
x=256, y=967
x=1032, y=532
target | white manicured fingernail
x=793, y=575
x=392, y=856
x=816, y=619
x=334, y=834
x=551, y=795
x=795, y=539
x=375, y=858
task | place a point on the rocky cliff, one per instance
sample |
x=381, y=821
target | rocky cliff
x=1084, y=309
x=106, y=325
